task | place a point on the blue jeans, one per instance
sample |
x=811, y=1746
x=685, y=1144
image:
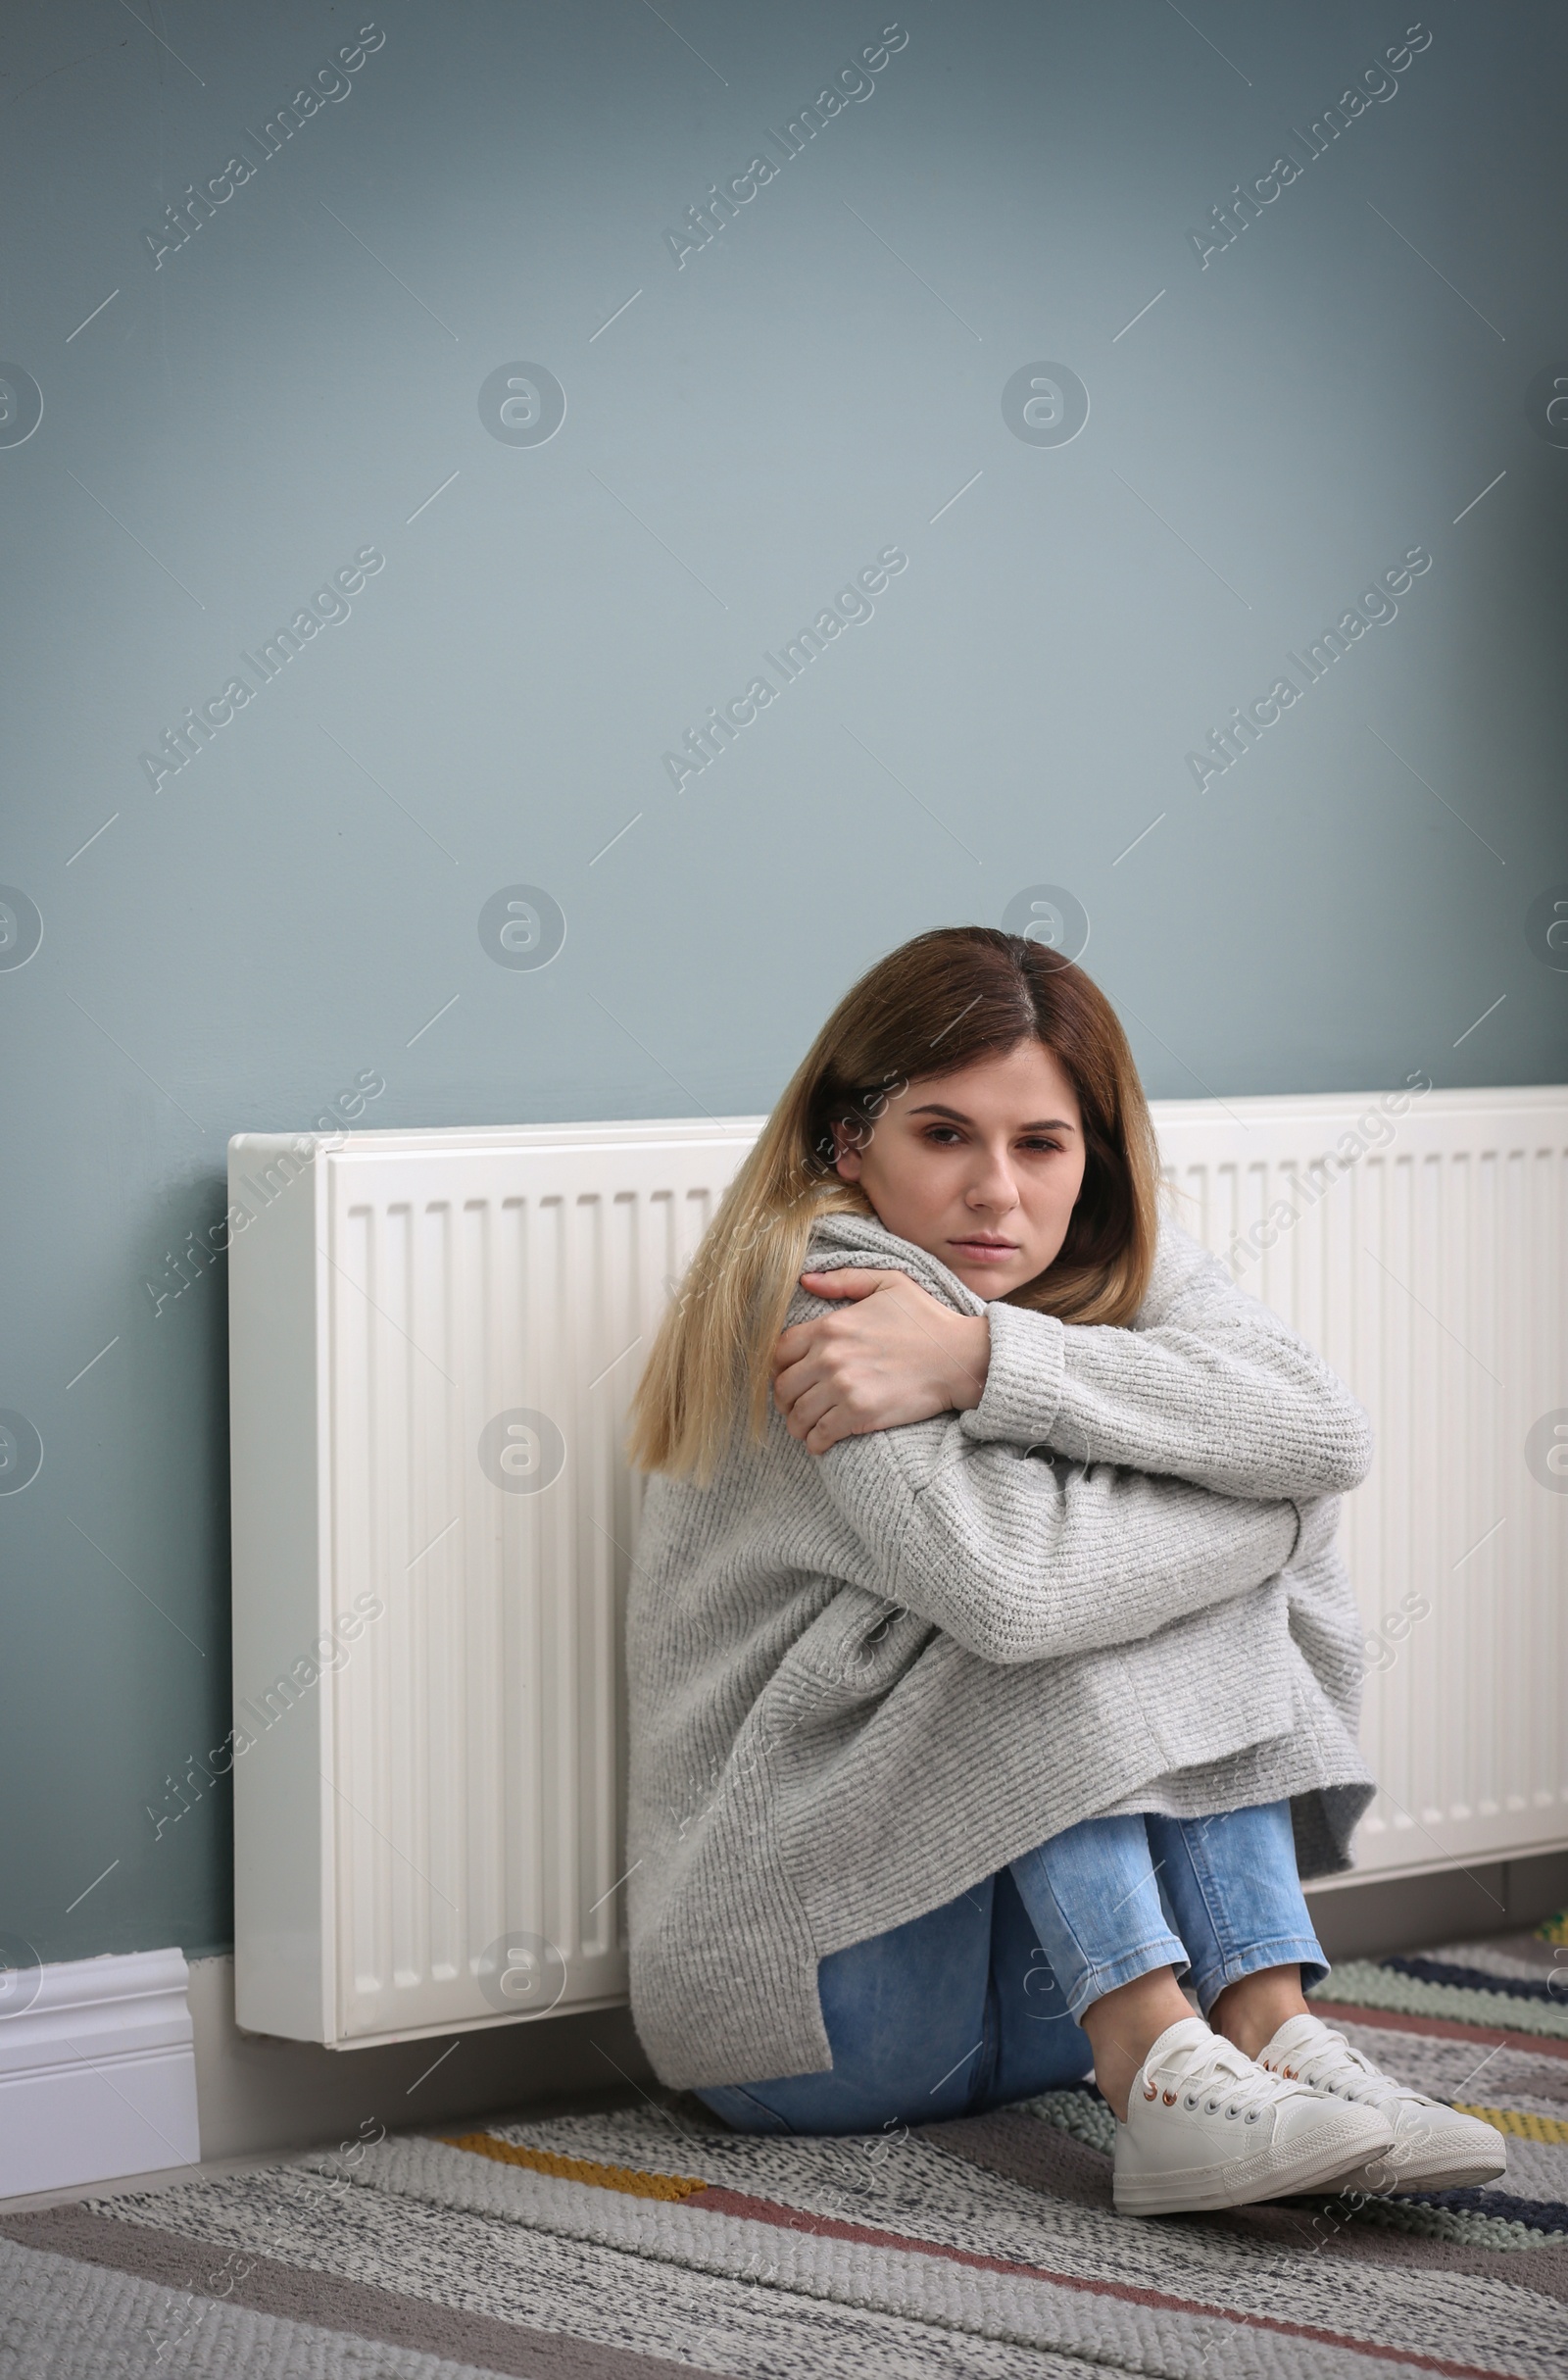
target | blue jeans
x=976, y=2003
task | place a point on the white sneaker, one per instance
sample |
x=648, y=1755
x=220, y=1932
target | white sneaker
x=1435, y=2148
x=1206, y=2128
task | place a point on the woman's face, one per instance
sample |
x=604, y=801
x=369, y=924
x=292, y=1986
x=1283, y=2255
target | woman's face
x=980, y=1168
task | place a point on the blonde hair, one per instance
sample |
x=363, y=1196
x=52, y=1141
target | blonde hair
x=933, y=1006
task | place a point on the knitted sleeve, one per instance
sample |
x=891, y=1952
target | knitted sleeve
x=1208, y=1385
x=1023, y=1560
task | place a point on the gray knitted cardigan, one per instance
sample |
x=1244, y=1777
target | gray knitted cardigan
x=860, y=1681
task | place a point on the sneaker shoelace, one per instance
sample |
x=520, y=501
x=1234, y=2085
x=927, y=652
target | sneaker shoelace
x=1331, y=2063
x=1216, y=2076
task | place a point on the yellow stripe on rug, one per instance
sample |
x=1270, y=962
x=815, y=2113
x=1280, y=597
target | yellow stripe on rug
x=583, y=2169
x=1524, y=2126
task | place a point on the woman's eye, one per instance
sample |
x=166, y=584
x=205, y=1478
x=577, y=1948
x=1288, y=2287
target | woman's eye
x=941, y=1136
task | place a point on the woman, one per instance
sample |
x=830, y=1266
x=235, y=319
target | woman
x=987, y=1645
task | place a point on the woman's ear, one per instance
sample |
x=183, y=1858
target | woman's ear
x=845, y=1155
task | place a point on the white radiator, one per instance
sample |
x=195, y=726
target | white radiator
x=433, y=1340
x=435, y=1336
x=1428, y=1262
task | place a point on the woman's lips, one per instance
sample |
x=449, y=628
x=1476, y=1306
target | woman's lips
x=986, y=1252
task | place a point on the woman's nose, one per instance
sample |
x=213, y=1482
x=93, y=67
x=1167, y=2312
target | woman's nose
x=993, y=1186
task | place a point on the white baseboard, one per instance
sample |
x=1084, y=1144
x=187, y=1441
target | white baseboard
x=97, y=2072
x=103, y=2070
x=259, y=2093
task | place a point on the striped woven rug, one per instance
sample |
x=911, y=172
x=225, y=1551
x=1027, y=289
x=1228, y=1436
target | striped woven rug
x=615, y=2245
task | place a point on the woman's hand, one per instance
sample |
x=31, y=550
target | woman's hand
x=889, y=1354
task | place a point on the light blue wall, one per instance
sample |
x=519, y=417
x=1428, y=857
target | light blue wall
x=290, y=909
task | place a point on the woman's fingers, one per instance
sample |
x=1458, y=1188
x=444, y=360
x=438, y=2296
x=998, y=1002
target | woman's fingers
x=811, y=1351
x=811, y=1371
x=804, y=1400
x=821, y=1415
x=792, y=1348
x=848, y=1281
x=812, y=1385
x=815, y=1400
x=812, y=1412
x=888, y=1352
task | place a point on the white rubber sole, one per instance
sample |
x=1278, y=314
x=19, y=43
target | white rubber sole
x=1375, y=2177
x=1201, y=2190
